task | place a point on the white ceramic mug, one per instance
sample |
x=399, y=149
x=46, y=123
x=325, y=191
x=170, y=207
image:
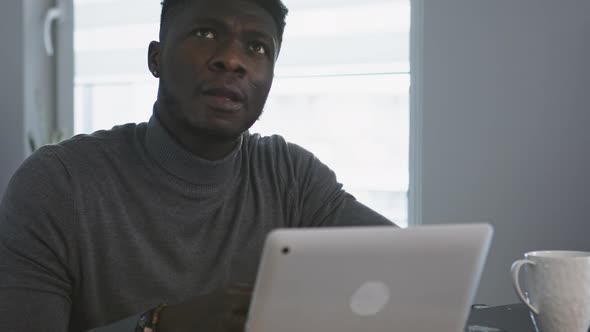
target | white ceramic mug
x=556, y=289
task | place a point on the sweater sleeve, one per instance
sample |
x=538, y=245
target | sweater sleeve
x=37, y=247
x=322, y=200
x=35, y=285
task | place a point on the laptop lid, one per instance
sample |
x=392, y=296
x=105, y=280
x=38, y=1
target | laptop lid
x=369, y=279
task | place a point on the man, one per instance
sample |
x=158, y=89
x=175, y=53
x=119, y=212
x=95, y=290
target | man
x=101, y=228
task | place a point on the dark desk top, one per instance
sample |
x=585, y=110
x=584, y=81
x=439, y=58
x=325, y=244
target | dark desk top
x=506, y=318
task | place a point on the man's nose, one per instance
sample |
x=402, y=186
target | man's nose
x=229, y=57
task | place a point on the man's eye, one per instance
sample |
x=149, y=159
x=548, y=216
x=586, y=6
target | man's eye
x=205, y=33
x=258, y=48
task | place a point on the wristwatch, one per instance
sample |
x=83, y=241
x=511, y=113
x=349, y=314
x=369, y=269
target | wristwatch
x=148, y=321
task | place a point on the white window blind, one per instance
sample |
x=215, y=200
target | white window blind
x=341, y=88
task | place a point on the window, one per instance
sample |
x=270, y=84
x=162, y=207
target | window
x=341, y=88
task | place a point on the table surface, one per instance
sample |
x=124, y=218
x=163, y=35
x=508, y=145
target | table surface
x=506, y=318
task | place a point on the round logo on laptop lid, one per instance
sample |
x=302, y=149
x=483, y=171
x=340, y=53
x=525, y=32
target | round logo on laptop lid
x=370, y=299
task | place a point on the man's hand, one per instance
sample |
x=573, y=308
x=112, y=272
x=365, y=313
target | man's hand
x=221, y=311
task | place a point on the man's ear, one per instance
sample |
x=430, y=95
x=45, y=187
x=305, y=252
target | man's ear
x=154, y=58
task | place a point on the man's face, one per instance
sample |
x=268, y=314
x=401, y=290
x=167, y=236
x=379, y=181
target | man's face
x=216, y=64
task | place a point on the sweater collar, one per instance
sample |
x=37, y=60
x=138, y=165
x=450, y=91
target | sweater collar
x=173, y=157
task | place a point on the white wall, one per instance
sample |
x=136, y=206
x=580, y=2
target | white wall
x=35, y=99
x=506, y=125
x=11, y=89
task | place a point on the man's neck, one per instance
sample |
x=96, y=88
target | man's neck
x=202, y=146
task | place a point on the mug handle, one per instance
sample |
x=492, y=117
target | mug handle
x=515, y=269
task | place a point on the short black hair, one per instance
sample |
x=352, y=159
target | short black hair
x=276, y=8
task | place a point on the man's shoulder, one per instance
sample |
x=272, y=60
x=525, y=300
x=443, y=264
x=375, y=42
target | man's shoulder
x=275, y=145
x=103, y=146
x=262, y=140
x=116, y=136
x=121, y=137
x=277, y=155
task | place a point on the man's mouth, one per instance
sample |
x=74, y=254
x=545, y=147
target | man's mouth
x=230, y=93
x=222, y=98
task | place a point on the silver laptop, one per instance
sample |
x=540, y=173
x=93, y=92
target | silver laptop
x=369, y=279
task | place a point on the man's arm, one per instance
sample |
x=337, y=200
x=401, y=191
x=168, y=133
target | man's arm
x=354, y=213
x=38, y=247
x=34, y=282
x=323, y=201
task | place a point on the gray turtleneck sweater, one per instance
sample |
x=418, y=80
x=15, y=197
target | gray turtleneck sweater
x=105, y=226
